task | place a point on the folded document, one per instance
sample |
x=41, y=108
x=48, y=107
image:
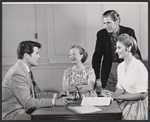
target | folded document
x=96, y=101
x=84, y=109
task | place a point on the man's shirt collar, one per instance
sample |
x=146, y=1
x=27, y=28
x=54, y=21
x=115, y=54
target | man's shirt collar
x=117, y=32
x=28, y=70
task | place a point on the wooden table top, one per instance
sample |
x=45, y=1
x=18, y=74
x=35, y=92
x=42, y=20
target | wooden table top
x=62, y=112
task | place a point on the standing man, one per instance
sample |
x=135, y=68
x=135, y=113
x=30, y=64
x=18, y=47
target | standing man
x=20, y=93
x=105, y=60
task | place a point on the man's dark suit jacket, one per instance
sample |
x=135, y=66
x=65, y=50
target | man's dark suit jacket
x=103, y=49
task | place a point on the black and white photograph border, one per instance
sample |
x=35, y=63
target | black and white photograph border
x=60, y=25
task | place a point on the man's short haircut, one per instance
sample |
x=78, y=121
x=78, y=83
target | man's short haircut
x=26, y=47
x=113, y=14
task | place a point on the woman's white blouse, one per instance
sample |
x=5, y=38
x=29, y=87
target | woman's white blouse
x=135, y=78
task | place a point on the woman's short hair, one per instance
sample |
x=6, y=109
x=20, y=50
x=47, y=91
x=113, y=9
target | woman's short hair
x=82, y=52
x=113, y=14
x=26, y=47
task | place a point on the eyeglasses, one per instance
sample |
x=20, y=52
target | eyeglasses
x=78, y=92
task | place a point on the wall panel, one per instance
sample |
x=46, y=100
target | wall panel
x=65, y=28
x=59, y=26
x=136, y=18
x=144, y=30
x=18, y=24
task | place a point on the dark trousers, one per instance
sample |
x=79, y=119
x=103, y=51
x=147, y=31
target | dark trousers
x=112, y=79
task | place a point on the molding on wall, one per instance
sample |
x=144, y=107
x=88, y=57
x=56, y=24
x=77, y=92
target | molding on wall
x=50, y=38
x=62, y=58
x=46, y=65
x=102, y=10
x=140, y=21
x=143, y=31
x=8, y=60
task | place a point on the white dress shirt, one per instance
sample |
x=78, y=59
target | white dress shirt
x=135, y=78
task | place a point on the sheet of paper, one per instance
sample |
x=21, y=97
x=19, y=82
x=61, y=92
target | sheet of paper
x=84, y=109
x=96, y=101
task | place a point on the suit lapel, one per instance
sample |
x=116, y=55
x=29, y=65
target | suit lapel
x=28, y=78
x=25, y=71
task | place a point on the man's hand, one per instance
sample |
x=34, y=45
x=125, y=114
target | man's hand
x=98, y=83
x=63, y=101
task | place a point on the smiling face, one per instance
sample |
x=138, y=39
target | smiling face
x=110, y=25
x=32, y=60
x=121, y=50
x=75, y=56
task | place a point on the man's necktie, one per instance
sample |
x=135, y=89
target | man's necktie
x=32, y=83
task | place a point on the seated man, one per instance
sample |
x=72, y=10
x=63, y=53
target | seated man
x=20, y=93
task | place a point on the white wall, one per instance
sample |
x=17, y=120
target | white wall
x=59, y=26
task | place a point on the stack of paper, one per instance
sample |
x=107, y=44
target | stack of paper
x=84, y=109
x=96, y=101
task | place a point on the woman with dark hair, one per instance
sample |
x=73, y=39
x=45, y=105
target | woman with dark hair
x=132, y=86
x=79, y=78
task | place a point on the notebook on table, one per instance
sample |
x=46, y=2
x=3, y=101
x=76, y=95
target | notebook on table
x=96, y=101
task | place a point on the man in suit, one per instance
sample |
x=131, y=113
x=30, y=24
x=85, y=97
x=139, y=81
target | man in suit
x=20, y=93
x=106, y=69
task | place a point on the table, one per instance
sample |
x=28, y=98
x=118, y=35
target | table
x=111, y=112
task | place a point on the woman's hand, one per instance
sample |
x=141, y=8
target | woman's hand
x=114, y=96
x=106, y=93
x=79, y=86
x=63, y=94
x=120, y=91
